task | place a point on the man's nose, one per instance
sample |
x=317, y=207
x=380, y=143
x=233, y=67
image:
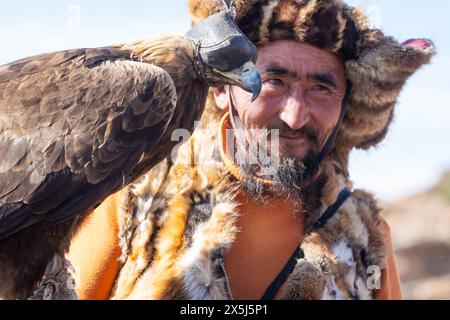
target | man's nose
x=295, y=112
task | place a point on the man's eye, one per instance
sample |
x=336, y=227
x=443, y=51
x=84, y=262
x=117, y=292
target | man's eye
x=319, y=88
x=276, y=82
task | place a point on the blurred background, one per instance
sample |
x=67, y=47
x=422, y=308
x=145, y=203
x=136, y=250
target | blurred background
x=409, y=173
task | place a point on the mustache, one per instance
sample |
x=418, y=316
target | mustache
x=307, y=132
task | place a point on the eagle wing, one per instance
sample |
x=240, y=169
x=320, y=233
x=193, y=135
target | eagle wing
x=73, y=125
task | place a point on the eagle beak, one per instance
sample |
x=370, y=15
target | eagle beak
x=246, y=77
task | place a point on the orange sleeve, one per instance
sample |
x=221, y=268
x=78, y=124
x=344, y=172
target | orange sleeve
x=390, y=281
x=95, y=250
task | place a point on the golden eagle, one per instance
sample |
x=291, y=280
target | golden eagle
x=78, y=125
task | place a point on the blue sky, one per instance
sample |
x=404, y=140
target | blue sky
x=417, y=149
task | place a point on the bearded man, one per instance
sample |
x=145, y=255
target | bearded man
x=259, y=203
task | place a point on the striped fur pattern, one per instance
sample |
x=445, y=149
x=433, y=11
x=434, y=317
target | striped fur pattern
x=184, y=217
x=376, y=65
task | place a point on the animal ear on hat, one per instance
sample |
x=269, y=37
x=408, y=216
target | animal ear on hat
x=378, y=75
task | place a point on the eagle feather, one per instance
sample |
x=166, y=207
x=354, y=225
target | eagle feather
x=75, y=127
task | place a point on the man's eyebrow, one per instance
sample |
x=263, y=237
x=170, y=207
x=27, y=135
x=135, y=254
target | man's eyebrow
x=325, y=78
x=276, y=70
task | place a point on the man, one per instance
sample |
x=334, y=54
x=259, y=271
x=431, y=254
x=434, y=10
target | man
x=211, y=224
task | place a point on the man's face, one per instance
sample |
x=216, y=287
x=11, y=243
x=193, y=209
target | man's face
x=302, y=94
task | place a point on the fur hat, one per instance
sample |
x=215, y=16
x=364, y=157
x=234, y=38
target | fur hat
x=376, y=65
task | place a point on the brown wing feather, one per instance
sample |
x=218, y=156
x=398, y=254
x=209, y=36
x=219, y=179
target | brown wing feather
x=73, y=125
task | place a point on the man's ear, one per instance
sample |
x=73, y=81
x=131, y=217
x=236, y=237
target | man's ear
x=221, y=97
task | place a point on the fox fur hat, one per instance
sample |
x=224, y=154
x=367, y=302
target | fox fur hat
x=376, y=65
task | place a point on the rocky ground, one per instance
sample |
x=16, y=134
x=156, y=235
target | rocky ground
x=421, y=234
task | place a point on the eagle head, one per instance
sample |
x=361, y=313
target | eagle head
x=224, y=55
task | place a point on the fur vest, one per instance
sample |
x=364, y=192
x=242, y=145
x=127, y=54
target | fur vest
x=178, y=219
x=181, y=217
